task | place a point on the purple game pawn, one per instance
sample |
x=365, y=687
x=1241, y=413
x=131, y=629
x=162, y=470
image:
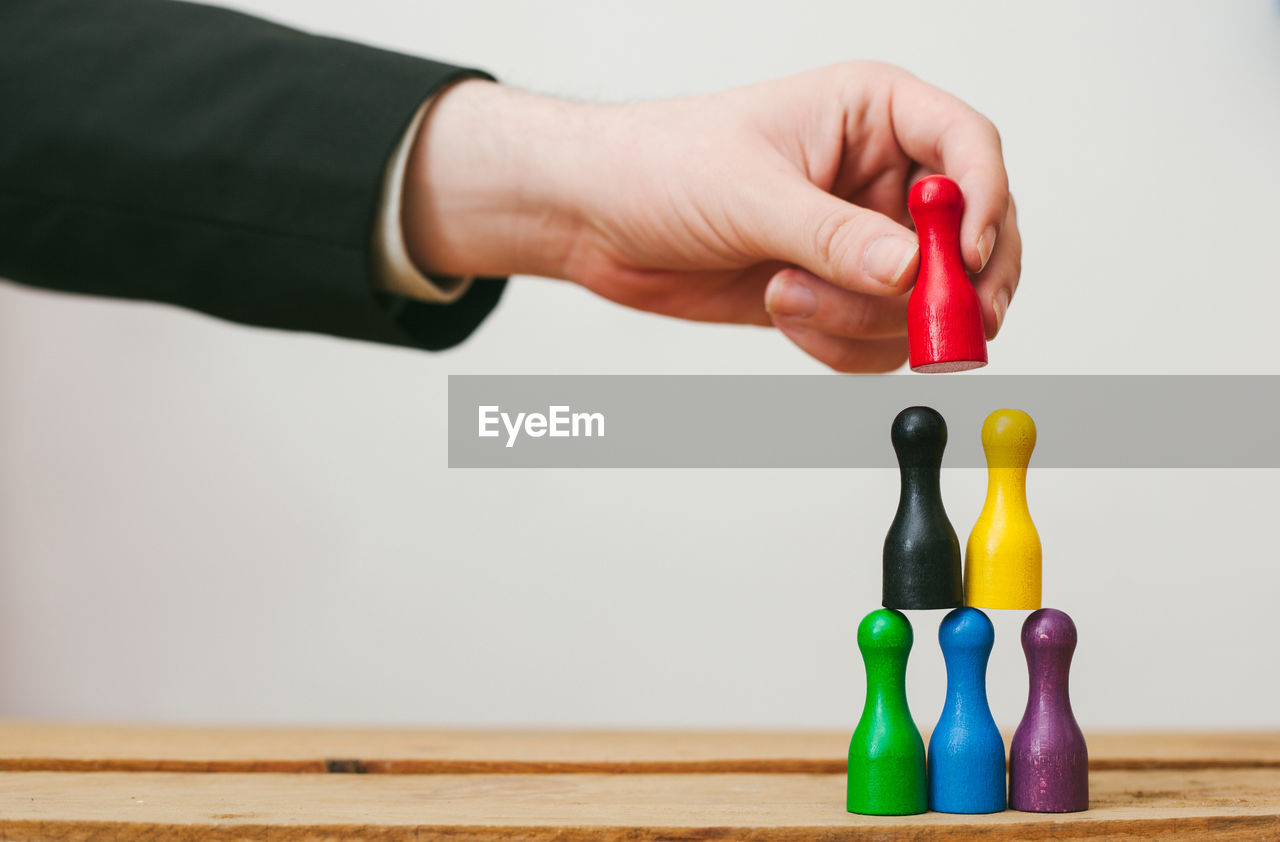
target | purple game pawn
x=1048, y=760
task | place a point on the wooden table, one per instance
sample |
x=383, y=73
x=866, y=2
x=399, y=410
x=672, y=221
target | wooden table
x=80, y=782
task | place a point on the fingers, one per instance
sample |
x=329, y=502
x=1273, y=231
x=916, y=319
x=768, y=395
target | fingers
x=853, y=248
x=997, y=283
x=947, y=136
x=801, y=300
x=847, y=331
x=853, y=332
x=851, y=356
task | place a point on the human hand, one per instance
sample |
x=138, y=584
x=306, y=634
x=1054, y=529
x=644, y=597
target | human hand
x=782, y=203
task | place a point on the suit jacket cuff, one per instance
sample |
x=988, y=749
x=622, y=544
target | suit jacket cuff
x=394, y=269
x=201, y=157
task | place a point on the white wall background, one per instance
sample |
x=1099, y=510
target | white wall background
x=205, y=522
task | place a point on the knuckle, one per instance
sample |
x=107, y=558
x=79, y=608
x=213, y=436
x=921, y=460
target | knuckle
x=988, y=128
x=847, y=365
x=869, y=67
x=865, y=67
x=856, y=320
x=1006, y=272
x=849, y=359
x=994, y=131
x=857, y=360
x=836, y=235
x=890, y=362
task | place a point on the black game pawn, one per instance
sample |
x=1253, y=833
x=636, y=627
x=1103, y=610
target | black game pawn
x=921, y=551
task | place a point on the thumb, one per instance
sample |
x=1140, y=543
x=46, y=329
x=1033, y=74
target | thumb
x=847, y=245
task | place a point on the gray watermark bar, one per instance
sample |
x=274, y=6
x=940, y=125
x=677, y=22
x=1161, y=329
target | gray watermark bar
x=830, y=421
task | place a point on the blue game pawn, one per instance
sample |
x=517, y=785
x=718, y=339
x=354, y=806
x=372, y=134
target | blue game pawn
x=966, y=753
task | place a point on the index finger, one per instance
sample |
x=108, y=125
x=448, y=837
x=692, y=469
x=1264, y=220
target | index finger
x=944, y=134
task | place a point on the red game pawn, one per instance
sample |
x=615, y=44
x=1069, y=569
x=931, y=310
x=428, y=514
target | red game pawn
x=944, y=317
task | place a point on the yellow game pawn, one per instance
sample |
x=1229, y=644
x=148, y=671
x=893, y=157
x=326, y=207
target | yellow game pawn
x=1002, y=559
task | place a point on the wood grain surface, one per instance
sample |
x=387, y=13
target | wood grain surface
x=96, y=782
x=34, y=746
x=1146, y=804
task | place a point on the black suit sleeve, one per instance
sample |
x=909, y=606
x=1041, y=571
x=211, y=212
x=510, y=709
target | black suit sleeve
x=160, y=150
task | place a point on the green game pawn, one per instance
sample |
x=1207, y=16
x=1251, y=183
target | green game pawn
x=886, y=754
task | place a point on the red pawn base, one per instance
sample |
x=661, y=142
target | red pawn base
x=948, y=366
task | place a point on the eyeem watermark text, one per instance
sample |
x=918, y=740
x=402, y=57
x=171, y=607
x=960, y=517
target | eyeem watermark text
x=558, y=422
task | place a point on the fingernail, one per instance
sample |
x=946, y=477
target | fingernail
x=887, y=259
x=1000, y=304
x=790, y=298
x=985, y=244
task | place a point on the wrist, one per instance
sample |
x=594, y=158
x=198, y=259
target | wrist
x=490, y=182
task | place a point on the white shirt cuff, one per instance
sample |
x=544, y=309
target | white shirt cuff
x=394, y=270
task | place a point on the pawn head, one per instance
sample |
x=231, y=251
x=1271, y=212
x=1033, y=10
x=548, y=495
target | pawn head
x=935, y=195
x=1049, y=629
x=884, y=630
x=919, y=436
x=1008, y=437
x=966, y=629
